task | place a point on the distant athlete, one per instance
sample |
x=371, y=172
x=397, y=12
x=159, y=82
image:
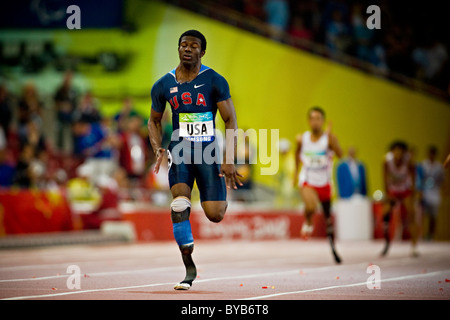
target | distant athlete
x=433, y=178
x=195, y=93
x=399, y=179
x=314, y=152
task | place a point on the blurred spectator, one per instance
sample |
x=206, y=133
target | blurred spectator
x=23, y=177
x=433, y=178
x=362, y=35
x=308, y=11
x=6, y=109
x=65, y=104
x=7, y=171
x=330, y=7
x=254, y=8
x=299, y=31
x=132, y=153
x=398, y=49
x=31, y=135
x=30, y=108
x=96, y=145
x=122, y=116
x=351, y=176
x=277, y=13
x=90, y=139
x=88, y=108
x=337, y=34
x=108, y=206
x=6, y=167
x=431, y=59
x=379, y=58
x=46, y=171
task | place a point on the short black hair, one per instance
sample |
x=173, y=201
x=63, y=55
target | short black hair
x=399, y=144
x=318, y=109
x=196, y=34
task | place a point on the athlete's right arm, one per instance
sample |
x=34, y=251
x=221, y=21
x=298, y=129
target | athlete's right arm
x=155, y=136
x=154, y=123
x=298, y=149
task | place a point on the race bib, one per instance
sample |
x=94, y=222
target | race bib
x=315, y=160
x=198, y=127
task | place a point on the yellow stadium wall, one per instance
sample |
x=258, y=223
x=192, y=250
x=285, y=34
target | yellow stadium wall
x=272, y=85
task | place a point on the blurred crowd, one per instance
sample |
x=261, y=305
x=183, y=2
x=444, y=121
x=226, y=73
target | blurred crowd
x=412, y=41
x=85, y=147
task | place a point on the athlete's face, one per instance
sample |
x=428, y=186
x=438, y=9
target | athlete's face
x=190, y=50
x=316, y=121
x=398, y=154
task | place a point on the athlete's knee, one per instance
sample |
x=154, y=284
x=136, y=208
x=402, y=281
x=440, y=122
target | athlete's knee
x=214, y=210
x=310, y=209
x=216, y=215
x=180, y=190
x=180, y=209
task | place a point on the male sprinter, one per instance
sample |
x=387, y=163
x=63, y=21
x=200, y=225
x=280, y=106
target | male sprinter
x=195, y=93
x=399, y=179
x=313, y=151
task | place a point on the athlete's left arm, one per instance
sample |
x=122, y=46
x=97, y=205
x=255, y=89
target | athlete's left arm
x=227, y=169
x=334, y=145
x=447, y=162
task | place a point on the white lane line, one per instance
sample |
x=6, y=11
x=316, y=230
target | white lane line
x=408, y=277
x=203, y=266
x=86, y=291
x=267, y=274
x=109, y=273
x=147, y=285
x=206, y=265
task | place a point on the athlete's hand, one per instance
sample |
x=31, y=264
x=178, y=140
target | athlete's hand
x=159, y=158
x=231, y=175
